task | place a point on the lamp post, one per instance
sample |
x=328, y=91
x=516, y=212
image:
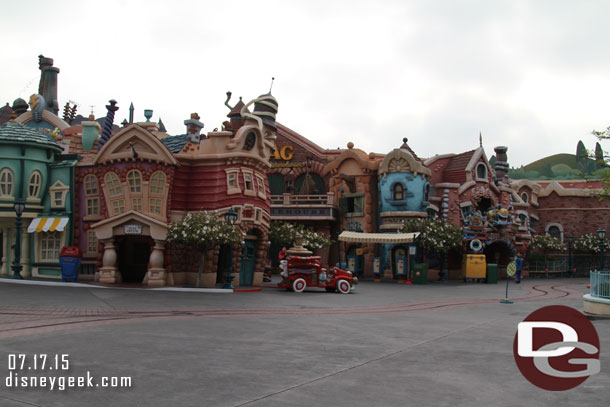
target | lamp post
x=601, y=234
x=19, y=207
x=570, y=239
x=230, y=218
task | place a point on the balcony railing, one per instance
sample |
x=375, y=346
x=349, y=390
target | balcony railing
x=292, y=200
x=600, y=283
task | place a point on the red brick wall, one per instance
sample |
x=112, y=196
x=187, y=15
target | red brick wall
x=577, y=215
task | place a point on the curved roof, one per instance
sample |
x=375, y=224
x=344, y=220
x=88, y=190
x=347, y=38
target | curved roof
x=18, y=133
x=401, y=160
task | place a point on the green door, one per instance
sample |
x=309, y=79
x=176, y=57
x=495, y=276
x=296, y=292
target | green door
x=248, y=259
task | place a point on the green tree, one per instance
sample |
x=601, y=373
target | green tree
x=582, y=157
x=599, y=156
x=604, y=172
x=202, y=231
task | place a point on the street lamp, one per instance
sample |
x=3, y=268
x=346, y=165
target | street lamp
x=230, y=218
x=601, y=233
x=19, y=207
x=570, y=239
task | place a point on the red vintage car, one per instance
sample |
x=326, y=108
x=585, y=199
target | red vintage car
x=303, y=272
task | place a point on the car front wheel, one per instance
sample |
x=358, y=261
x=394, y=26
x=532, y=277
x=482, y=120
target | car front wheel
x=299, y=285
x=343, y=286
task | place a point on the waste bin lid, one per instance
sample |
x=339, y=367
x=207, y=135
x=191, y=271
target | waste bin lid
x=70, y=251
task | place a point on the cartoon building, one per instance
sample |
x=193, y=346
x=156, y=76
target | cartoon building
x=34, y=171
x=404, y=193
x=113, y=191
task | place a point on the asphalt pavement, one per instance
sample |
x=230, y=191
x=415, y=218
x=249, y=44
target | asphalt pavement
x=440, y=344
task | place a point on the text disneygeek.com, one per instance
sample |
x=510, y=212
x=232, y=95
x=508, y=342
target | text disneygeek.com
x=22, y=366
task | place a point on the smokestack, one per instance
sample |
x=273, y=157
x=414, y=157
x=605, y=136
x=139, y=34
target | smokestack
x=501, y=164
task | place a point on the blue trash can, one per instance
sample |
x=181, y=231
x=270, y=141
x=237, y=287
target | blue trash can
x=69, y=262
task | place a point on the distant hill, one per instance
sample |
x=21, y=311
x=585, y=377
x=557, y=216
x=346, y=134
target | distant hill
x=558, y=166
x=539, y=165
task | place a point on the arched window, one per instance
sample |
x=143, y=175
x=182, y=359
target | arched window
x=6, y=182
x=134, y=180
x=34, y=184
x=113, y=184
x=524, y=197
x=554, y=231
x=481, y=171
x=157, y=183
x=398, y=193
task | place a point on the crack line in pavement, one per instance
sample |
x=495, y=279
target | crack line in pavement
x=92, y=292
x=21, y=401
x=363, y=363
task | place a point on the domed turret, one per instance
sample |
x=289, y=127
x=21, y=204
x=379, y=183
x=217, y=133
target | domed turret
x=20, y=106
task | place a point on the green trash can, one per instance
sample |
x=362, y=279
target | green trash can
x=420, y=273
x=492, y=274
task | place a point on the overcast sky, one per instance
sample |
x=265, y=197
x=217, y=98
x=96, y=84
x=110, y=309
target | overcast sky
x=531, y=75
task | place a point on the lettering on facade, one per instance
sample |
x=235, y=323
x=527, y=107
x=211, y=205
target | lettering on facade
x=132, y=229
x=285, y=153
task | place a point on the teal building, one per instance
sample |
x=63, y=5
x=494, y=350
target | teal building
x=33, y=170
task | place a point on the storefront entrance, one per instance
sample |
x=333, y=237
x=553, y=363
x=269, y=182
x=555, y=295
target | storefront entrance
x=133, y=257
x=248, y=260
x=400, y=253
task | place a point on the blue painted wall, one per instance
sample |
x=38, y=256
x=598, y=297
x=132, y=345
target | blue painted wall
x=414, y=190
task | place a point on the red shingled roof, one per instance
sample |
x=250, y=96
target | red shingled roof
x=456, y=168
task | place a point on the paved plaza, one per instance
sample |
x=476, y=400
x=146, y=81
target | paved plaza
x=441, y=344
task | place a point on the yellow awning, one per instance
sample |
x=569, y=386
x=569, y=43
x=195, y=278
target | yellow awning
x=359, y=237
x=48, y=225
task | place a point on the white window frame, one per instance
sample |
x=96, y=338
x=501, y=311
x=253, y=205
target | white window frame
x=252, y=190
x=114, y=190
x=7, y=187
x=476, y=172
x=92, y=199
x=58, y=201
x=233, y=175
x=34, y=197
x=44, y=248
x=90, y=238
x=550, y=225
x=260, y=182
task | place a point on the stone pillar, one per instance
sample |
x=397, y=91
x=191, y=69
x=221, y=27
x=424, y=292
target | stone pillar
x=155, y=276
x=26, y=272
x=109, y=273
x=5, y=250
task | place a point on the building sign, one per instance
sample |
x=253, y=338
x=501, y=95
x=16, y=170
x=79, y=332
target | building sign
x=296, y=212
x=283, y=155
x=132, y=229
x=353, y=226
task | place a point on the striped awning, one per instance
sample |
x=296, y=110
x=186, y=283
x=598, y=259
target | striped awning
x=47, y=225
x=360, y=237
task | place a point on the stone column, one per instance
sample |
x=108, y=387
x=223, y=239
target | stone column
x=5, y=250
x=155, y=276
x=26, y=272
x=108, y=271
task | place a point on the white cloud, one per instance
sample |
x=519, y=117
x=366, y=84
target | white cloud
x=529, y=75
